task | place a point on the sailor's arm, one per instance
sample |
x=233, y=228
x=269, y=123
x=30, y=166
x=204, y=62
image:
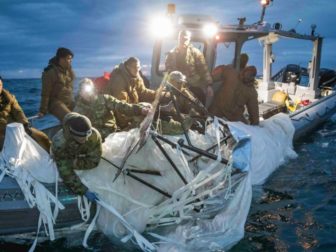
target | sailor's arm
x=17, y=112
x=117, y=88
x=122, y=107
x=64, y=163
x=202, y=67
x=47, y=84
x=70, y=178
x=145, y=94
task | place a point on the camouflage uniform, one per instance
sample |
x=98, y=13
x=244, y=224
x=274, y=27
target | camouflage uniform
x=192, y=64
x=57, y=86
x=101, y=112
x=129, y=89
x=10, y=111
x=65, y=150
x=187, y=102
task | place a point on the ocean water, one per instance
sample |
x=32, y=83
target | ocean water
x=295, y=210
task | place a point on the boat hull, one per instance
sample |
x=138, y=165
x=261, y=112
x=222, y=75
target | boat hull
x=312, y=116
x=16, y=217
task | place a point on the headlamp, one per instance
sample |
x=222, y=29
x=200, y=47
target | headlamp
x=88, y=88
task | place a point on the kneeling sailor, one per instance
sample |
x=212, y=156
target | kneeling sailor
x=78, y=146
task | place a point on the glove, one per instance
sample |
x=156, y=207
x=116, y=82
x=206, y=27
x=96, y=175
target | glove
x=91, y=196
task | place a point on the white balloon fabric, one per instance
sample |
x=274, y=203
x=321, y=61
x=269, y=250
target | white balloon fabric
x=28, y=154
x=23, y=159
x=271, y=145
x=202, y=208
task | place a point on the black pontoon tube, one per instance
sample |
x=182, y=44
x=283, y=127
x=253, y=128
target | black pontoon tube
x=154, y=137
x=139, y=179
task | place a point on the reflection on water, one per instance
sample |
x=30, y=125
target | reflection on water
x=296, y=208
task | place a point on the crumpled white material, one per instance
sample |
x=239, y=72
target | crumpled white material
x=23, y=159
x=271, y=145
x=227, y=204
x=222, y=198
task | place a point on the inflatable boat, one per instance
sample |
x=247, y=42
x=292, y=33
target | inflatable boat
x=309, y=105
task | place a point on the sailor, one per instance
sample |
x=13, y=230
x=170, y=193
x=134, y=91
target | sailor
x=100, y=108
x=10, y=111
x=228, y=76
x=77, y=146
x=127, y=85
x=187, y=103
x=244, y=95
x=218, y=73
x=191, y=62
x=57, y=85
x=188, y=107
x=243, y=60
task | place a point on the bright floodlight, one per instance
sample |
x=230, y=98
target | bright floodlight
x=161, y=27
x=210, y=30
x=265, y=2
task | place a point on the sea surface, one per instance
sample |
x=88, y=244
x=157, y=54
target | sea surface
x=295, y=210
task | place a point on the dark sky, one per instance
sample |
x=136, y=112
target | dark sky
x=104, y=32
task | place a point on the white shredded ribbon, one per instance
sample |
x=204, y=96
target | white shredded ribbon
x=143, y=243
x=84, y=207
x=35, y=193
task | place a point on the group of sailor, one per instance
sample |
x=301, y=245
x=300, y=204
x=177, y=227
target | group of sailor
x=125, y=101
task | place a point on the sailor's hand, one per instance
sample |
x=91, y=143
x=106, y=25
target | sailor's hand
x=209, y=91
x=145, y=110
x=145, y=107
x=91, y=196
x=40, y=114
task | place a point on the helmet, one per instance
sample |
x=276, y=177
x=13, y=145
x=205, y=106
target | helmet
x=176, y=77
x=185, y=34
x=80, y=126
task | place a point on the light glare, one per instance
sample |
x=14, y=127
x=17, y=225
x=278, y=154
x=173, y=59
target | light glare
x=88, y=89
x=161, y=27
x=210, y=30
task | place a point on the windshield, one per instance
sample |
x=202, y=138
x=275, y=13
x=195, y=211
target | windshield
x=225, y=53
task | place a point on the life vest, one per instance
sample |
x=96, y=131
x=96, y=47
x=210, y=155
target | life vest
x=101, y=82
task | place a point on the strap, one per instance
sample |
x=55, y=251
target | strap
x=91, y=227
x=84, y=207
